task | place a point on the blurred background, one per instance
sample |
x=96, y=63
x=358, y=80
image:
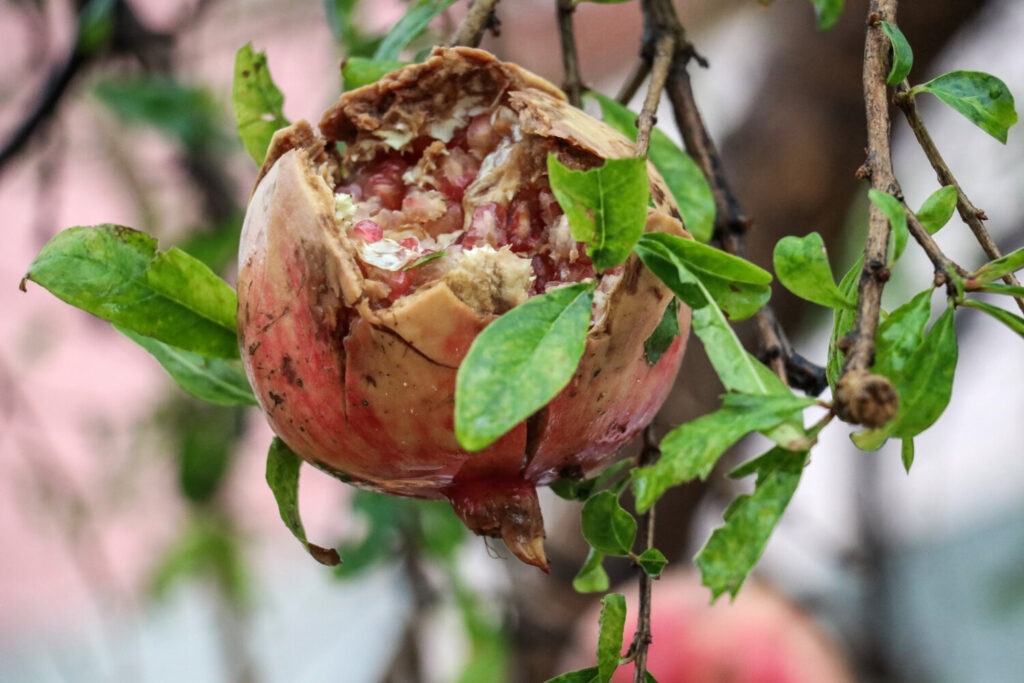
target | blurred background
x=140, y=542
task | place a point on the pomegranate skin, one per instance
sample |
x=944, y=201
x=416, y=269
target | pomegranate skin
x=367, y=392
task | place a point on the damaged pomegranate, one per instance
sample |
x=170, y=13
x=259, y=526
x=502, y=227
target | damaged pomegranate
x=377, y=247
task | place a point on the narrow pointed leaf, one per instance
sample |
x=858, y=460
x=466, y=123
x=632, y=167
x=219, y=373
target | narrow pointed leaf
x=684, y=178
x=607, y=526
x=519, y=362
x=117, y=274
x=937, y=209
x=734, y=549
x=802, y=266
x=993, y=270
x=283, y=478
x=591, y=578
x=907, y=454
x=999, y=288
x=691, y=450
x=215, y=380
x=412, y=23
x=842, y=323
x=257, y=102
x=606, y=206
x=1011, y=320
x=894, y=211
x=982, y=98
x=902, y=55
x=359, y=71
x=611, y=625
x=927, y=380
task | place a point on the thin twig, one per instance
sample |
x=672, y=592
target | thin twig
x=943, y=264
x=971, y=215
x=731, y=222
x=573, y=84
x=664, y=52
x=637, y=652
x=629, y=89
x=479, y=18
x=863, y=397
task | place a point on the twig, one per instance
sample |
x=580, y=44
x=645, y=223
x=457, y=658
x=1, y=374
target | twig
x=479, y=18
x=664, y=52
x=573, y=85
x=863, y=397
x=731, y=222
x=971, y=215
x=637, y=652
x=635, y=80
x=943, y=264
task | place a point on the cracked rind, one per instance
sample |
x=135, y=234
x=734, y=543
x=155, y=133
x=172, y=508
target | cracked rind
x=369, y=393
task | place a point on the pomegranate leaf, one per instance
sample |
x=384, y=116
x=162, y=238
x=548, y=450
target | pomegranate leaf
x=982, y=98
x=993, y=270
x=664, y=334
x=691, y=450
x=1011, y=320
x=907, y=454
x=283, y=478
x=520, y=362
x=652, y=561
x=359, y=71
x=415, y=20
x=999, y=288
x=611, y=625
x=827, y=12
x=684, y=178
x=842, y=322
x=257, y=102
x=591, y=578
x=900, y=334
x=606, y=206
x=902, y=55
x=897, y=215
x=607, y=526
x=801, y=264
x=734, y=549
x=117, y=274
x=214, y=380
x=937, y=209
x=588, y=675
x=738, y=286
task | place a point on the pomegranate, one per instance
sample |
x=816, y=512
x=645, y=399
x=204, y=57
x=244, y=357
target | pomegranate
x=367, y=268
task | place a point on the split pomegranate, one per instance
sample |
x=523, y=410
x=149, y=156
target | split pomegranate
x=368, y=267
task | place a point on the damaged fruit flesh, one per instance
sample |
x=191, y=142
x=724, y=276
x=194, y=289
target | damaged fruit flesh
x=365, y=276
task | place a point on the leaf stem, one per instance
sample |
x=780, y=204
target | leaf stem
x=478, y=19
x=573, y=84
x=969, y=213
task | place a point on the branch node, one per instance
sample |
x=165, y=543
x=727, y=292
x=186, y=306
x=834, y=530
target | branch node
x=865, y=398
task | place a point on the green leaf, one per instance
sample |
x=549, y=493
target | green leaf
x=591, y=578
x=894, y=211
x=606, y=206
x=1014, y=322
x=217, y=381
x=588, y=675
x=415, y=20
x=900, y=334
x=359, y=71
x=937, y=209
x=692, y=449
x=738, y=286
x=827, y=12
x=190, y=115
x=581, y=489
x=664, y=334
x=607, y=526
x=341, y=18
x=95, y=27
x=519, y=363
x=842, y=322
x=652, y=561
x=207, y=548
x=902, y=55
x=734, y=549
x=257, y=102
x=907, y=454
x=432, y=256
x=870, y=439
x=998, y=288
x=801, y=264
x=927, y=381
x=684, y=178
x=982, y=98
x=283, y=478
x=611, y=625
x=993, y=270
x=115, y=273
x=205, y=439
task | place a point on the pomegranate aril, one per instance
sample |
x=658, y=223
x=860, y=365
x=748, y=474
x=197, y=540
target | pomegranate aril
x=368, y=231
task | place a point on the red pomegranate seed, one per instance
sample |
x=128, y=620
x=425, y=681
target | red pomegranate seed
x=368, y=231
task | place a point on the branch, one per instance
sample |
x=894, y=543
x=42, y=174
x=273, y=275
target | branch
x=863, y=397
x=970, y=214
x=573, y=85
x=664, y=52
x=479, y=18
x=943, y=264
x=637, y=652
x=731, y=222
